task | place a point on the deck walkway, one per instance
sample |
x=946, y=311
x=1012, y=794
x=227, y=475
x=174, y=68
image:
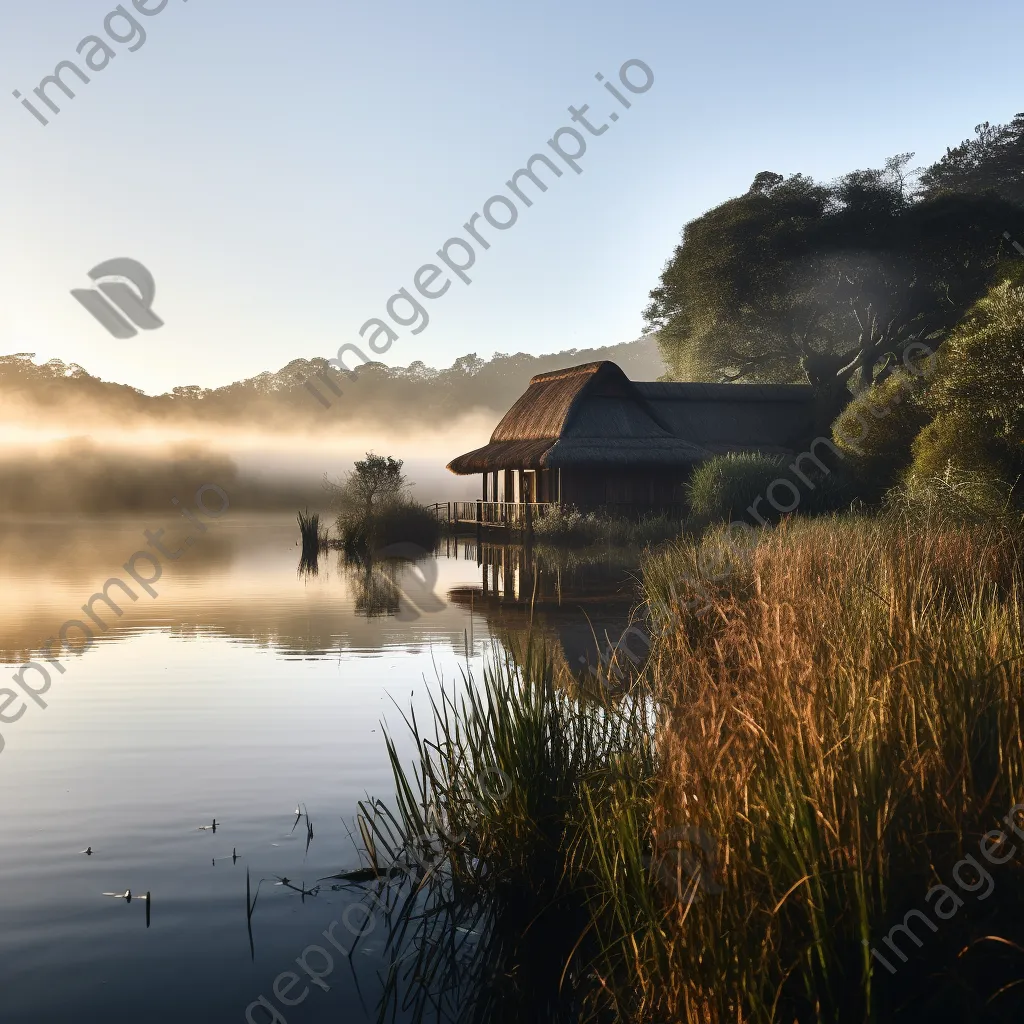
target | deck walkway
x=518, y=515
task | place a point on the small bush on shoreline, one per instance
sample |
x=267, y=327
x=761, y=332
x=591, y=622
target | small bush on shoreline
x=375, y=509
x=737, y=487
x=400, y=523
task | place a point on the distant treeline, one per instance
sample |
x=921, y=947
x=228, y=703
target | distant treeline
x=399, y=397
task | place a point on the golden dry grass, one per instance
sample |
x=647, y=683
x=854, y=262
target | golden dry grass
x=844, y=718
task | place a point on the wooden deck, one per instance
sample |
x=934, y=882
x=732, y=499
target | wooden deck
x=517, y=515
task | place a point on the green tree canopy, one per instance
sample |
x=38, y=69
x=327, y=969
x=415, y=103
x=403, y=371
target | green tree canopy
x=797, y=280
x=991, y=162
x=376, y=483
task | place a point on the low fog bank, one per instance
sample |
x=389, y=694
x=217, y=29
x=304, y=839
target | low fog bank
x=99, y=474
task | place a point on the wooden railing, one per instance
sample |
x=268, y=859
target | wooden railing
x=442, y=511
x=515, y=515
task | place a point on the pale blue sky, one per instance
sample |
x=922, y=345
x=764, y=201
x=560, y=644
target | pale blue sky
x=282, y=169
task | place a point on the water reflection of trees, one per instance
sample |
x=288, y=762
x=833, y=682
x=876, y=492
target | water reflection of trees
x=374, y=584
x=237, y=581
x=399, y=581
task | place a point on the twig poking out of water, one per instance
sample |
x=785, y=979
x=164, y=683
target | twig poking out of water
x=128, y=897
x=250, y=906
x=301, y=888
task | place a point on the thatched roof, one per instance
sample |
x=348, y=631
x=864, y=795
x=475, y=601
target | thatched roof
x=593, y=415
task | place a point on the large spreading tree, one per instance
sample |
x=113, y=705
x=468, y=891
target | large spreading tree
x=827, y=283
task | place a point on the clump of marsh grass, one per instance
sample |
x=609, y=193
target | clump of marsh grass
x=491, y=818
x=845, y=720
x=952, y=497
x=314, y=537
x=805, y=754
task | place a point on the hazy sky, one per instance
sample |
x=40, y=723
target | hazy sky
x=284, y=168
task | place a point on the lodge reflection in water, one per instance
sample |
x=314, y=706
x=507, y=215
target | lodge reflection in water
x=579, y=602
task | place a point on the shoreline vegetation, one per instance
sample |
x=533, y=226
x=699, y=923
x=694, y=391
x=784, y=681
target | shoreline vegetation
x=374, y=512
x=799, y=804
x=842, y=718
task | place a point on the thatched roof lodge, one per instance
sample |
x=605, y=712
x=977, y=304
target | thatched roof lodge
x=588, y=435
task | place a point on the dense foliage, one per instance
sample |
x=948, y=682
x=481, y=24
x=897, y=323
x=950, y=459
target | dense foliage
x=833, y=283
x=759, y=489
x=960, y=419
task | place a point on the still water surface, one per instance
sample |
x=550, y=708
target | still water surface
x=244, y=689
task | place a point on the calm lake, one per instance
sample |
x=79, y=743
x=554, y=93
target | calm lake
x=243, y=691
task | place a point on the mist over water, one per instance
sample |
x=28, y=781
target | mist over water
x=104, y=470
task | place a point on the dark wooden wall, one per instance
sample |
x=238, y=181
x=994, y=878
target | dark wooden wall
x=600, y=486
